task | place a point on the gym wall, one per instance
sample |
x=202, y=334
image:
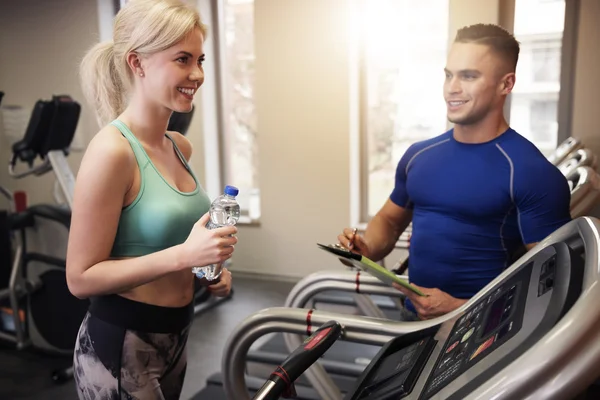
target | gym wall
x=586, y=119
x=304, y=94
x=41, y=43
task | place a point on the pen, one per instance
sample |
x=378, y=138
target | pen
x=351, y=243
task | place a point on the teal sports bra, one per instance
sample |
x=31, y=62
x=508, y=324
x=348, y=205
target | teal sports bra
x=160, y=216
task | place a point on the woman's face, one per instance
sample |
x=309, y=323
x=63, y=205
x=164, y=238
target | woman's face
x=172, y=77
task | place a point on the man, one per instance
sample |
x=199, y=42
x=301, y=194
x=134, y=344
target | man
x=475, y=194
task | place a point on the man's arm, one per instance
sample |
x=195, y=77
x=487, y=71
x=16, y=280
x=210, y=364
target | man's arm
x=543, y=198
x=385, y=228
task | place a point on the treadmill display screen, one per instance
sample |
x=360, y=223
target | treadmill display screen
x=397, y=373
x=499, y=311
x=487, y=325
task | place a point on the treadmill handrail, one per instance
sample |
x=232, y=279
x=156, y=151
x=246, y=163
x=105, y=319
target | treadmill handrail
x=564, y=341
x=357, y=329
x=301, y=299
x=359, y=283
x=578, y=158
x=333, y=280
x=317, y=375
x=302, y=358
x=377, y=331
x=567, y=147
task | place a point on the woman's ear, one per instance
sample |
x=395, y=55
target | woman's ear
x=134, y=62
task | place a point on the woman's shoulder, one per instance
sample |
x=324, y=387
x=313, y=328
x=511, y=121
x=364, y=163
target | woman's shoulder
x=109, y=146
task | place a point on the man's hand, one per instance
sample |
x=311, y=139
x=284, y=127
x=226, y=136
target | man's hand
x=435, y=304
x=223, y=287
x=354, y=242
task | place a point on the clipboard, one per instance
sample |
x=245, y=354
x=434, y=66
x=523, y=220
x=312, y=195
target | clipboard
x=369, y=266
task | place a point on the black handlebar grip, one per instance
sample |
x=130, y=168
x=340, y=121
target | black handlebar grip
x=281, y=381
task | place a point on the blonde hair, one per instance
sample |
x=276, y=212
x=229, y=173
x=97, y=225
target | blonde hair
x=144, y=27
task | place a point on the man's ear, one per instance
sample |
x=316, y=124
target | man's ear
x=507, y=83
x=134, y=62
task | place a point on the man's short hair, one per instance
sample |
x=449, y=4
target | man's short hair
x=494, y=36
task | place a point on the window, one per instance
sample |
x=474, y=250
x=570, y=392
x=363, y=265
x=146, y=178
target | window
x=534, y=101
x=546, y=62
x=543, y=119
x=238, y=126
x=405, y=47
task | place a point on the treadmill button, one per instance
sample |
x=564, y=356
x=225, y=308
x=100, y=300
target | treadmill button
x=450, y=348
x=541, y=288
x=467, y=335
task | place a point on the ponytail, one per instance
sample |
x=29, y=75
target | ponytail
x=101, y=82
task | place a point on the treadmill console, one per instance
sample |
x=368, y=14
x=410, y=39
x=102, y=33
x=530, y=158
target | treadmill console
x=420, y=365
x=398, y=371
x=488, y=324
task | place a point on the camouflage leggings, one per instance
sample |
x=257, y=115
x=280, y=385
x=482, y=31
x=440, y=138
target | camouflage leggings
x=113, y=363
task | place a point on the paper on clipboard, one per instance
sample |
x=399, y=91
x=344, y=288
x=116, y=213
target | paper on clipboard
x=371, y=267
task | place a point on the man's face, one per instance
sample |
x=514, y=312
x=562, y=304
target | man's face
x=476, y=83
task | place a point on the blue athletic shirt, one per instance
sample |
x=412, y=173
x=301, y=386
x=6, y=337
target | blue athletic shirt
x=474, y=205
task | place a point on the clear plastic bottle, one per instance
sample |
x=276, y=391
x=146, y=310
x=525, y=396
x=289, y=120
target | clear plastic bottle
x=224, y=211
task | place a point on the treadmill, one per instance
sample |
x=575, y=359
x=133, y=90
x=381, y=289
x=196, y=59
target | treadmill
x=363, y=291
x=533, y=332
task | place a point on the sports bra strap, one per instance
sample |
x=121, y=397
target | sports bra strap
x=138, y=150
x=179, y=154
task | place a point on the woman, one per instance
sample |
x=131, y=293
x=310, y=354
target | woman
x=139, y=213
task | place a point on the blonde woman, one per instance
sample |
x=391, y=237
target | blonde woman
x=139, y=213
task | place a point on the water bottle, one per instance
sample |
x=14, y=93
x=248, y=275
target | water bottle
x=224, y=211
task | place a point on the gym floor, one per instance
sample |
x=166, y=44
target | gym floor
x=26, y=374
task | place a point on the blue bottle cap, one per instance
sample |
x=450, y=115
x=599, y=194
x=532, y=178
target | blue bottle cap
x=231, y=190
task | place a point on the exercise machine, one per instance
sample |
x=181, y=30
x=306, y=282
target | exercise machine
x=579, y=158
x=532, y=332
x=348, y=361
x=564, y=149
x=180, y=122
x=585, y=194
x=44, y=314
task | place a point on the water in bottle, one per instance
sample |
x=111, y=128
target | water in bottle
x=224, y=211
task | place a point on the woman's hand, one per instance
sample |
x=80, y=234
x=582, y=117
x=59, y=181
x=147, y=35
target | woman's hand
x=223, y=287
x=207, y=246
